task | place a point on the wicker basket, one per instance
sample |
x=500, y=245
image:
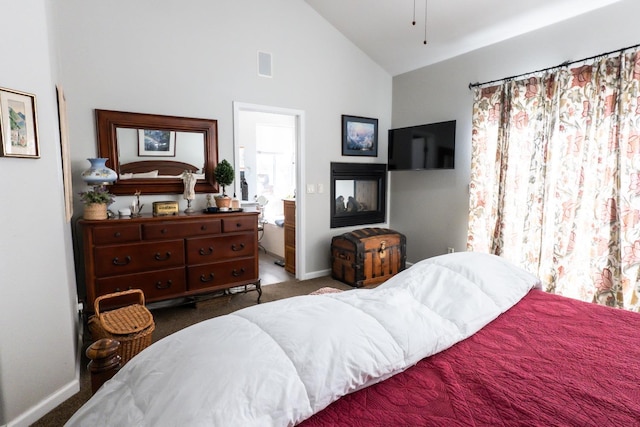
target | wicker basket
x=131, y=325
x=95, y=211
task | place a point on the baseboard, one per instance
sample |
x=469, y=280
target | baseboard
x=327, y=272
x=45, y=406
x=65, y=392
x=316, y=274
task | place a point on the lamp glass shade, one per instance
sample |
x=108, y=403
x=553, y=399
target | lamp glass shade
x=99, y=173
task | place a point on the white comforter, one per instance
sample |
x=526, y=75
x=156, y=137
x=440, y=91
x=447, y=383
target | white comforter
x=278, y=363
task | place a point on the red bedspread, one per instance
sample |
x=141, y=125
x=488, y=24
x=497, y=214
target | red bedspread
x=549, y=361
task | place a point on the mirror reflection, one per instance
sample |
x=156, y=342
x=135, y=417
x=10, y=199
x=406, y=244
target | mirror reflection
x=150, y=152
x=143, y=148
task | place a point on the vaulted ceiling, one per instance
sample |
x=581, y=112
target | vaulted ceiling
x=383, y=28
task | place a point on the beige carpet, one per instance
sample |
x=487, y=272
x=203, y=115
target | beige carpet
x=173, y=318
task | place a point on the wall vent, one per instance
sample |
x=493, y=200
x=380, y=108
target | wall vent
x=264, y=64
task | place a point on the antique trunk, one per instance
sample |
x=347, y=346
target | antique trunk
x=367, y=256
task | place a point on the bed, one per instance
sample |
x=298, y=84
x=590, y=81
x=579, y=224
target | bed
x=456, y=340
x=161, y=169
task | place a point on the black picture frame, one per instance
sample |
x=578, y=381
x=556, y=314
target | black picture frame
x=359, y=136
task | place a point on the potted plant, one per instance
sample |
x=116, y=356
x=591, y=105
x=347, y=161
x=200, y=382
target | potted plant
x=224, y=175
x=96, y=202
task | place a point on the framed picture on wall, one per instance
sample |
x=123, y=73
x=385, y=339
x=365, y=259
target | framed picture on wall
x=156, y=143
x=359, y=136
x=18, y=124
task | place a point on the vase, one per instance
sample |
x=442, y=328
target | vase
x=99, y=173
x=95, y=211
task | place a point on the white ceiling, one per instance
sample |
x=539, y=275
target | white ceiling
x=383, y=28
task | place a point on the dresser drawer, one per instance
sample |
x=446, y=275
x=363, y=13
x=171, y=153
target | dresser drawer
x=180, y=229
x=222, y=274
x=116, y=234
x=156, y=285
x=211, y=249
x=239, y=223
x=116, y=260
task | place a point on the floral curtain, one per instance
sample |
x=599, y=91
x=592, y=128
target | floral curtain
x=555, y=178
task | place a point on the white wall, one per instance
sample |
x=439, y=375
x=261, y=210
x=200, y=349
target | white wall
x=37, y=284
x=431, y=207
x=195, y=58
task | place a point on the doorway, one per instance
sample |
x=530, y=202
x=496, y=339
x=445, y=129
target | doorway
x=267, y=157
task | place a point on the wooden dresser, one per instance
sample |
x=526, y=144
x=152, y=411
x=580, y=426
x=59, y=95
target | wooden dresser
x=170, y=256
x=290, y=236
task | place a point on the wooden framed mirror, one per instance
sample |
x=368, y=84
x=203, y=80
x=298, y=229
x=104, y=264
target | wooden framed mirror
x=149, y=152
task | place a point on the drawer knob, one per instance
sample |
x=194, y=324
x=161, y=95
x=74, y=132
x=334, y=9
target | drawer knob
x=159, y=257
x=238, y=225
x=204, y=251
x=117, y=234
x=237, y=248
x=159, y=285
x=163, y=231
x=203, y=227
x=237, y=273
x=205, y=279
x=127, y=260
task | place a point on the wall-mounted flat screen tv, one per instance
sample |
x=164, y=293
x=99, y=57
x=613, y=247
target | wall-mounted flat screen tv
x=428, y=146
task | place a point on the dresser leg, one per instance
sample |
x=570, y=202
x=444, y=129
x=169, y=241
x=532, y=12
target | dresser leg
x=259, y=289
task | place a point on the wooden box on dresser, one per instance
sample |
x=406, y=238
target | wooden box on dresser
x=170, y=256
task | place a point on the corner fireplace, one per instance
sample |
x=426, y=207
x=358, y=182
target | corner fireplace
x=358, y=193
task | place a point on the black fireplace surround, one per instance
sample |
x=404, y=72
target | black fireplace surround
x=358, y=193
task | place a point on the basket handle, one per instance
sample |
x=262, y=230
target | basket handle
x=96, y=303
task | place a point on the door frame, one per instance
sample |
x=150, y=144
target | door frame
x=239, y=107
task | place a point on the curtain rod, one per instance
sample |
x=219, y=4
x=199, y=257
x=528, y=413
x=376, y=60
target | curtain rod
x=564, y=64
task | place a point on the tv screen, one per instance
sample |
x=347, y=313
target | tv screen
x=428, y=146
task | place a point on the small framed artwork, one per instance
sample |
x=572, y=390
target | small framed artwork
x=18, y=124
x=359, y=136
x=156, y=143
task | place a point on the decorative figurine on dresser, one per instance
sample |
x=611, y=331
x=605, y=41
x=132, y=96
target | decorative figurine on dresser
x=136, y=206
x=189, y=181
x=170, y=257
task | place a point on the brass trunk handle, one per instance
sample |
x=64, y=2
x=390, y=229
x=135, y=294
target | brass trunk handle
x=383, y=247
